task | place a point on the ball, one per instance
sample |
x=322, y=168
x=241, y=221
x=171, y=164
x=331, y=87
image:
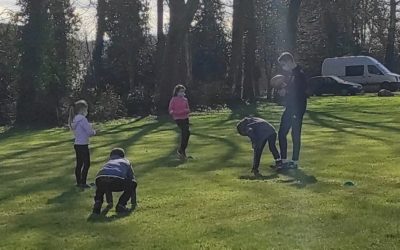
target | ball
x=278, y=82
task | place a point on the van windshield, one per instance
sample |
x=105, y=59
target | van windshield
x=383, y=68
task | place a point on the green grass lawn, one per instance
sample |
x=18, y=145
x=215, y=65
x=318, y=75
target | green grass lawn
x=211, y=202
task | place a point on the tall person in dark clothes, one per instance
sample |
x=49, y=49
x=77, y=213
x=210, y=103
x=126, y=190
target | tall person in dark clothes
x=296, y=104
x=260, y=132
x=179, y=110
x=116, y=176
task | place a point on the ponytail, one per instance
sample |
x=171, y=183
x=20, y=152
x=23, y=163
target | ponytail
x=71, y=115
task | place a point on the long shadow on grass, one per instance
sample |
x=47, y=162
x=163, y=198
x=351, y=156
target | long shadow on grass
x=233, y=149
x=376, y=125
x=239, y=111
x=170, y=160
x=145, y=130
x=297, y=178
x=103, y=218
x=320, y=118
x=34, y=149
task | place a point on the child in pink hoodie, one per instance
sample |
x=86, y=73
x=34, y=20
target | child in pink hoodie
x=179, y=109
x=82, y=131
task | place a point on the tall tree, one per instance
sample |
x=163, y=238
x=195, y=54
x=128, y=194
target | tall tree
x=62, y=64
x=209, y=42
x=250, y=85
x=391, y=37
x=236, y=62
x=34, y=39
x=9, y=57
x=160, y=24
x=95, y=71
x=125, y=30
x=292, y=20
x=181, y=16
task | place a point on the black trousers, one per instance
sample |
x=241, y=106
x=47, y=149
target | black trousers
x=82, y=163
x=259, y=150
x=107, y=185
x=294, y=121
x=185, y=134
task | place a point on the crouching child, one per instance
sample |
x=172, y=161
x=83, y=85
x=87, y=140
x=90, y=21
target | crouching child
x=116, y=176
x=260, y=132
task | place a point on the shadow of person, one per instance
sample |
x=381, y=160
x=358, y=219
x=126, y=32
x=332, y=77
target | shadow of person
x=103, y=218
x=259, y=177
x=298, y=177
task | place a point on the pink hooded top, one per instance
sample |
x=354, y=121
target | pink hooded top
x=179, y=108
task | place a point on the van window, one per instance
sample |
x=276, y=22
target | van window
x=357, y=70
x=372, y=69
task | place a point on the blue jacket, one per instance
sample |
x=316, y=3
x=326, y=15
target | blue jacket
x=117, y=167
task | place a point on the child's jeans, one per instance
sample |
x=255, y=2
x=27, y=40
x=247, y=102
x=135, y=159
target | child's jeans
x=295, y=122
x=185, y=134
x=107, y=185
x=82, y=163
x=258, y=150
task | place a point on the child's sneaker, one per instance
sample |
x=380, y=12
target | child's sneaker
x=120, y=209
x=293, y=165
x=181, y=154
x=109, y=205
x=97, y=207
x=256, y=172
x=84, y=186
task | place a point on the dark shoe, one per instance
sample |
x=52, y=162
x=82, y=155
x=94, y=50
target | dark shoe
x=84, y=186
x=292, y=165
x=122, y=209
x=97, y=207
x=109, y=205
x=256, y=172
x=133, y=206
x=181, y=154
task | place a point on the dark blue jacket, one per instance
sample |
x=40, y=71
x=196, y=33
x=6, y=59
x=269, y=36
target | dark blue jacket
x=117, y=167
x=257, y=129
x=296, y=98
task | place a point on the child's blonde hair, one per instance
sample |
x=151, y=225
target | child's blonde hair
x=178, y=88
x=77, y=108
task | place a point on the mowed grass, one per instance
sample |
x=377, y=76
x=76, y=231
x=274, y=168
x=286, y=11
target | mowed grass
x=211, y=201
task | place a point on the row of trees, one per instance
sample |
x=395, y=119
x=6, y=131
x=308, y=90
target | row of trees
x=223, y=50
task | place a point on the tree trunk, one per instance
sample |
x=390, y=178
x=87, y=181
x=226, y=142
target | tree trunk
x=236, y=64
x=188, y=61
x=34, y=38
x=249, y=83
x=160, y=20
x=389, y=57
x=292, y=19
x=58, y=85
x=94, y=79
x=181, y=16
x=160, y=30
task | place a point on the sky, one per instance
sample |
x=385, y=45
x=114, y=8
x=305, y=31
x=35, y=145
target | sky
x=86, y=9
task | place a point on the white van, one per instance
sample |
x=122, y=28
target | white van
x=364, y=70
